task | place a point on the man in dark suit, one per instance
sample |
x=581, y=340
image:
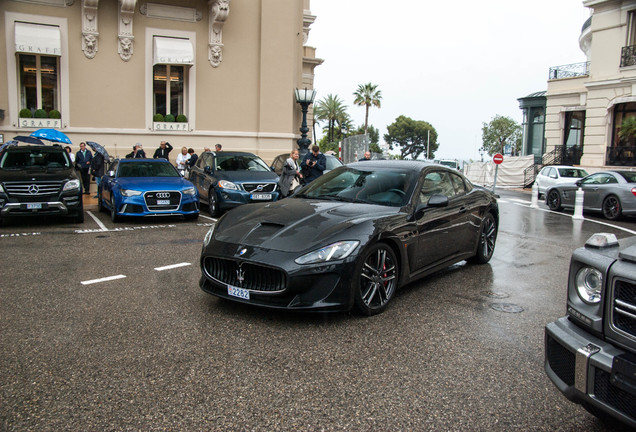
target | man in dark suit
x=163, y=151
x=83, y=160
x=313, y=164
x=137, y=153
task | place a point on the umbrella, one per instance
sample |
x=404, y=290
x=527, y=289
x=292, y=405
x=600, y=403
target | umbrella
x=98, y=148
x=28, y=139
x=52, y=135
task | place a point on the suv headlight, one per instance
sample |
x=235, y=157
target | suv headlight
x=69, y=185
x=130, y=192
x=190, y=191
x=589, y=283
x=227, y=185
x=335, y=251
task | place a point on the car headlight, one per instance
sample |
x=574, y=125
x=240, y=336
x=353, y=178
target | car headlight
x=208, y=235
x=190, y=191
x=333, y=252
x=130, y=192
x=227, y=185
x=69, y=185
x=589, y=283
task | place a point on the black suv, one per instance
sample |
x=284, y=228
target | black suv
x=39, y=180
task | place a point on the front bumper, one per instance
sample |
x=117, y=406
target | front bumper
x=137, y=206
x=584, y=369
x=317, y=287
x=62, y=205
x=228, y=199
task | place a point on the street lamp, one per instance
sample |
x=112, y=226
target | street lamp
x=304, y=97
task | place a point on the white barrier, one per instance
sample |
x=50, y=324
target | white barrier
x=578, y=204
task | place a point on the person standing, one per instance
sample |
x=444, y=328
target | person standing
x=313, y=164
x=367, y=156
x=83, y=163
x=291, y=175
x=137, y=153
x=193, y=158
x=163, y=151
x=182, y=160
x=218, y=147
x=97, y=170
x=70, y=153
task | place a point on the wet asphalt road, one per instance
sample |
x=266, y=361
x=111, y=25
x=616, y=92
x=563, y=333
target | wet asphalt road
x=460, y=350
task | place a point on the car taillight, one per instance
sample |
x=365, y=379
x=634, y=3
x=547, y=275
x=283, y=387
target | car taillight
x=634, y=191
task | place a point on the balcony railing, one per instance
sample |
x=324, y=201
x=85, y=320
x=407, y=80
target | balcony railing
x=621, y=156
x=570, y=71
x=628, y=56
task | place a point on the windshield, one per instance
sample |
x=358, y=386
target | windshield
x=379, y=186
x=572, y=172
x=240, y=163
x=451, y=164
x=34, y=158
x=147, y=169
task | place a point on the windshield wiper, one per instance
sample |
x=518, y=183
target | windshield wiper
x=334, y=198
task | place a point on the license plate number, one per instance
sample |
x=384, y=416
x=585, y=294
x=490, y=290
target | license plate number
x=163, y=202
x=261, y=196
x=33, y=206
x=238, y=292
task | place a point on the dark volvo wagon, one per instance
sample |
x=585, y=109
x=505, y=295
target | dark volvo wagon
x=590, y=354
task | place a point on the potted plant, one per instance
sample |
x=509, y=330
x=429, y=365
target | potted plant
x=25, y=113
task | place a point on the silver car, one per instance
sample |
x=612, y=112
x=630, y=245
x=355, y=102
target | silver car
x=612, y=193
x=552, y=175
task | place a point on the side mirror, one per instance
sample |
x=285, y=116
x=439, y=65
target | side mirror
x=578, y=183
x=111, y=173
x=438, y=200
x=207, y=169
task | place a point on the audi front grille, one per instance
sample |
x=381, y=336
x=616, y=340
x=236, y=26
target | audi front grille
x=165, y=201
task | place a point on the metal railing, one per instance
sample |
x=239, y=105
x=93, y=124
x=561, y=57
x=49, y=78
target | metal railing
x=621, y=156
x=628, y=56
x=560, y=155
x=569, y=71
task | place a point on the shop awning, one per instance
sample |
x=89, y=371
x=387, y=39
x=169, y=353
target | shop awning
x=173, y=51
x=38, y=39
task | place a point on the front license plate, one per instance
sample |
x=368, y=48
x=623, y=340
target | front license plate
x=262, y=196
x=34, y=206
x=163, y=202
x=238, y=292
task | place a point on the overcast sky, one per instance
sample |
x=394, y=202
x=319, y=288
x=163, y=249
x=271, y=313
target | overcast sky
x=453, y=64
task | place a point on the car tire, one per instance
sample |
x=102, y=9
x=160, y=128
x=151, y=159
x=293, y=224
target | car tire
x=113, y=211
x=612, y=208
x=553, y=200
x=377, y=276
x=213, y=204
x=486, y=241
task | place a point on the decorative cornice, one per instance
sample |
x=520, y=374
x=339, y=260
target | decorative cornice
x=90, y=33
x=219, y=11
x=308, y=20
x=126, y=38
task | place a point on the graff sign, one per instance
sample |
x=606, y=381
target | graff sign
x=40, y=123
x=169, y=126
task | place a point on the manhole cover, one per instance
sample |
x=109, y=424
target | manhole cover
x=506, y=307
x=493, y=294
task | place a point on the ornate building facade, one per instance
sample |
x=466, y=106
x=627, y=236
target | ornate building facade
x=191, y=72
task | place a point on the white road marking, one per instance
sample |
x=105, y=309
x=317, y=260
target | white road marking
x=106, y=279
x=168, y=267
x=20, y=234
x=97, y=221
x=207, y=217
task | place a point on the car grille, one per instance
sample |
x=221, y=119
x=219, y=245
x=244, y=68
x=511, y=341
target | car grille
x=255, y=277
x=613, y=396
x=259, y=187
x=33, y=188
x=624, y=307
x=163, y=200
x=560, y=360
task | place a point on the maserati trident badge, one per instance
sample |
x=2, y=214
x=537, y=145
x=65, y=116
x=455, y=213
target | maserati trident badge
x=240, y=274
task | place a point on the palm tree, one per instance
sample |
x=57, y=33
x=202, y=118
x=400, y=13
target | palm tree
x=331, y=109
x=367, y=95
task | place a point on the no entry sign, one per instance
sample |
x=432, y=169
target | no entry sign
x=498, y=158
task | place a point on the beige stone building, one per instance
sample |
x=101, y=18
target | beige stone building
x=586, y=104
x=119, y=71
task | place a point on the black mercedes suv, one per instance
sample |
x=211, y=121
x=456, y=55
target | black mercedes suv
x=39, y=180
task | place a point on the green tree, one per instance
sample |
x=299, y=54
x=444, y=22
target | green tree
x=332, y=110
x=367, y=95
x=501, y=131
x=628, y=129
x=412, y=137
x=374, y=134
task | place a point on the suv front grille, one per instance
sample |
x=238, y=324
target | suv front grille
x=163, y=200
x=33, y=188
x=264, y=187
x=624, y=307
x=254, y=277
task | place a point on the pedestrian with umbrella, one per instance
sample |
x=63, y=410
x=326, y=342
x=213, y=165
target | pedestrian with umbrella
x=83, y=160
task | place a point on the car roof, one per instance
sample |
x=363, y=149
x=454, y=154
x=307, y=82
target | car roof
x=403, y=164
x=231, y=153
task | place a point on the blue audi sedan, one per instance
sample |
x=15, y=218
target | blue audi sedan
x=146, y=187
